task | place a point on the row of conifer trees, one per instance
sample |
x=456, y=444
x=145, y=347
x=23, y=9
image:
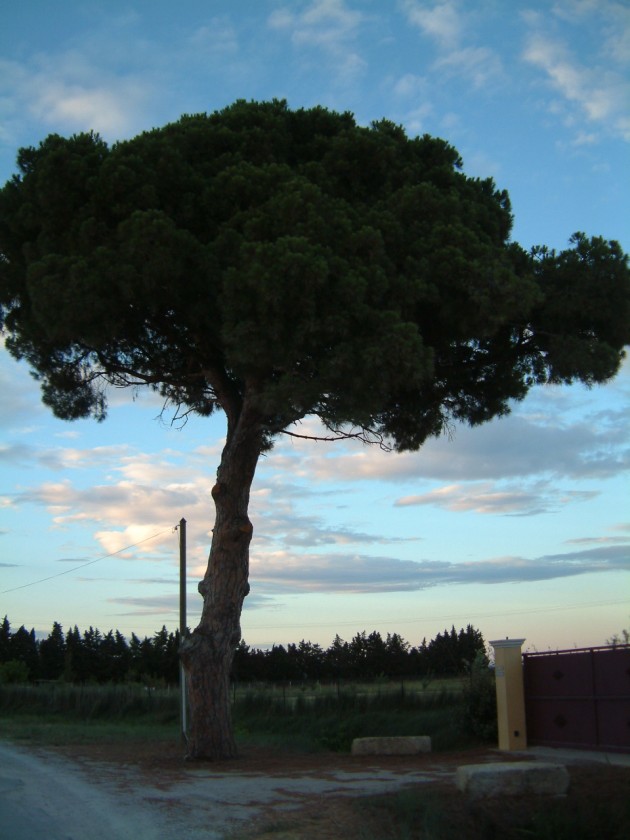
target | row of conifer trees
x=92, y=656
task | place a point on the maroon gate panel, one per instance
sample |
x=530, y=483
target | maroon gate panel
x=579, y=698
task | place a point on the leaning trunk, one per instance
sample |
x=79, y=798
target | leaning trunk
x=208, y=653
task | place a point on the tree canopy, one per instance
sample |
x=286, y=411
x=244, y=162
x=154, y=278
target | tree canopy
x=325, y=268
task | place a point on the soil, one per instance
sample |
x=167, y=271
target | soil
x=271, y=795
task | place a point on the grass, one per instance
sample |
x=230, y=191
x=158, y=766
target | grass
x=291, y=717
x=90, y=702
x=60, y=714
x=423, y=814
x=332, y=719
x=408, y=690
x=35, y=730
x=336, y=730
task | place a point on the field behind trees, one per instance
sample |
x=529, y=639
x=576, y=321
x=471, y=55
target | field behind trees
x=75, y=686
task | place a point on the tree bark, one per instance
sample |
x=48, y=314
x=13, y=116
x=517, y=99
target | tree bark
x=208, y=653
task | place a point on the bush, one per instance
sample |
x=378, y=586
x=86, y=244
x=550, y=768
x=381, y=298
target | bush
x=479, y=717
x=90, y=702
x=331, y=717
x=13, y=672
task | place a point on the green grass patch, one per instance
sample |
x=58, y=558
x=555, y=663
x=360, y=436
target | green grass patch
x=331, y=721
x=55, y=731
x=297, y=718
x=90, y=702
x=58, y=714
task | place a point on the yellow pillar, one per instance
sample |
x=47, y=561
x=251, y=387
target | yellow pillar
x=510, y=694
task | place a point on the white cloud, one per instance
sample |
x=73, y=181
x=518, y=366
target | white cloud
x=416, y=89
x=599, y=91
x=488, y=498
x=353, y=573
x=411, y=85
x=126, y=513
x=162, y=469
x=595, y=447
x=15, y=453
x=477, y=64
x=416, y=119
x=610, y=16
x=68, y=93
x=143, y=538
x=147, y=605
x=110, y=111
x=478, y=498
x=141, y=510
x=598, y=541
x=450, y=28
x=217, y=37
x=442, y=21
x=351, y=67
x=585, y=138
x=325, y=23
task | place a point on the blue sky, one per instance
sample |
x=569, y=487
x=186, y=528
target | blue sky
x=521, y=526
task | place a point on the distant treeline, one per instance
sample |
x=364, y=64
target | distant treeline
x=98, y=657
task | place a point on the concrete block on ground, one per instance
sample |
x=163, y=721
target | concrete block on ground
x=512, y=779
x=400, y=745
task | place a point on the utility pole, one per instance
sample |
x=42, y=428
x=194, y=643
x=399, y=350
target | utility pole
x=182, y=619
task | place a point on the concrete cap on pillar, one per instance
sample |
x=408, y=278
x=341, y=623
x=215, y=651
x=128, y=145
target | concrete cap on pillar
x=507, y=643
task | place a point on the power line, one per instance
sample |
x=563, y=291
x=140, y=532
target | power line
x=89, y=563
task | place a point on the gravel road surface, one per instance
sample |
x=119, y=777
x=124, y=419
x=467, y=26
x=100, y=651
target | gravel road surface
x=45, y=795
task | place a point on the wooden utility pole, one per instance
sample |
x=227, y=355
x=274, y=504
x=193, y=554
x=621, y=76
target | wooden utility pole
x=182, y=618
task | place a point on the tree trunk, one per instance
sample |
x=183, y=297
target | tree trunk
x=208, y=653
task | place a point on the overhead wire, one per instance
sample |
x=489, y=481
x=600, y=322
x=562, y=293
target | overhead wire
x=89, y=562
x=424, y=620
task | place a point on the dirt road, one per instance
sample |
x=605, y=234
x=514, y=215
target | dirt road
x=145, y=791
x=44, y=794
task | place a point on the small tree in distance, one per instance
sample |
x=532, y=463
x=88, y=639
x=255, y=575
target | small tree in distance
x=278, y=264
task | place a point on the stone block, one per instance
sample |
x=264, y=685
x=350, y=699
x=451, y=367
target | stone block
x=512, y=779
x=400, y=745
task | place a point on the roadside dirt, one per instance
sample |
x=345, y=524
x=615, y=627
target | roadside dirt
x=167, y=760
x=271, y=795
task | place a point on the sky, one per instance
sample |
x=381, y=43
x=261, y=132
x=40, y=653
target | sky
x=520, y=527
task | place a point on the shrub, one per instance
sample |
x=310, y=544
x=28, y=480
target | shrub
x=13, y=672
x=479, y=717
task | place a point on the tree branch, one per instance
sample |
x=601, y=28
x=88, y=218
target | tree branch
x=367, y=436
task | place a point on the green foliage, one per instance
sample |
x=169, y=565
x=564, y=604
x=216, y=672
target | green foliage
x=95, y=657
x=20, y=646
x=332, y=719
x=13, y=672
x=45, y=730
x=329, y=720
x=90, y=702
x=479, y=716
x=91, y=656
x=300, y=263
